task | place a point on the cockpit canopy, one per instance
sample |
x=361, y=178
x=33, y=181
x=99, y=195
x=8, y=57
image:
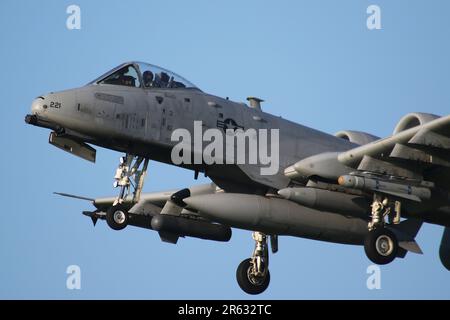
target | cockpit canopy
x=143, y=75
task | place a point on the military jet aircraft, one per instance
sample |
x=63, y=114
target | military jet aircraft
x=350, y=188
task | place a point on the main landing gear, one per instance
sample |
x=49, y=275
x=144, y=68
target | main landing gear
x=253, y=274
x=381, y=244
x=130, y=174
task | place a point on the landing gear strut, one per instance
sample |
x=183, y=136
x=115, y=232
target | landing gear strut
x=130, y=174
x=381, y=244
x=253, y=274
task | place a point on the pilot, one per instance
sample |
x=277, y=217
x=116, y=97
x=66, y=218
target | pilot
x=148, y=78
x=164, y=80
x=157, y=81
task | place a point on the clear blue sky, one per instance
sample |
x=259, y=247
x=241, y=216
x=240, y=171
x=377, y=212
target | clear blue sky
x=314, y=62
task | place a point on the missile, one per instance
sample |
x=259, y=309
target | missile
x=324, y=165
x=407, y=191
x=182, y=226
x=326, y=200
x=276, y=216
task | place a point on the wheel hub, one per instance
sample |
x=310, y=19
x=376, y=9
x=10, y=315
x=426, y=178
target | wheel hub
x=384, y=245
x=119, y=217
x=255, y=280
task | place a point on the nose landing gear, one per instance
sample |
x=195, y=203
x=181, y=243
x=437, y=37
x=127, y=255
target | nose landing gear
x=128, y=176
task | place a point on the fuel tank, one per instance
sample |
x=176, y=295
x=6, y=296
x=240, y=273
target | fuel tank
x=191, y=228
x=325, y=200
x=273, y=215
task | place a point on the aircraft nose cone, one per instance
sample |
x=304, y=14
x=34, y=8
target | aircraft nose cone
x=38, y=106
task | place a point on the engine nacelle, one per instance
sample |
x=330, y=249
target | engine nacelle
x=357, y=137
x=412, y=120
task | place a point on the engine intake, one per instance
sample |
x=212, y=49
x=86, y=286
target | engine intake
x=412, y=120
x=357, y=137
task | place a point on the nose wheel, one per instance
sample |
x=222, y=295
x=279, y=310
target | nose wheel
x=130, y=174
x=253, y=274
x=117, y=217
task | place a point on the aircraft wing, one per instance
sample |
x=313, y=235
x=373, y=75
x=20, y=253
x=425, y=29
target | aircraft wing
x=167, y=215
x=421, y=152
x=157, y=199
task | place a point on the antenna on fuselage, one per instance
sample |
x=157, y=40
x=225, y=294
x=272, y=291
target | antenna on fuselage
x=255, y=102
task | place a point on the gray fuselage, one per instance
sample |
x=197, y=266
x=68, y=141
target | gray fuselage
x=141, y=121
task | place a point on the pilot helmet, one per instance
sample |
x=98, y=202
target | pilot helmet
x=148, y=77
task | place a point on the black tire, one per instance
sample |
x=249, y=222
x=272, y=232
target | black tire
x=381, y=246
x=117, y=217
x=247, y=285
